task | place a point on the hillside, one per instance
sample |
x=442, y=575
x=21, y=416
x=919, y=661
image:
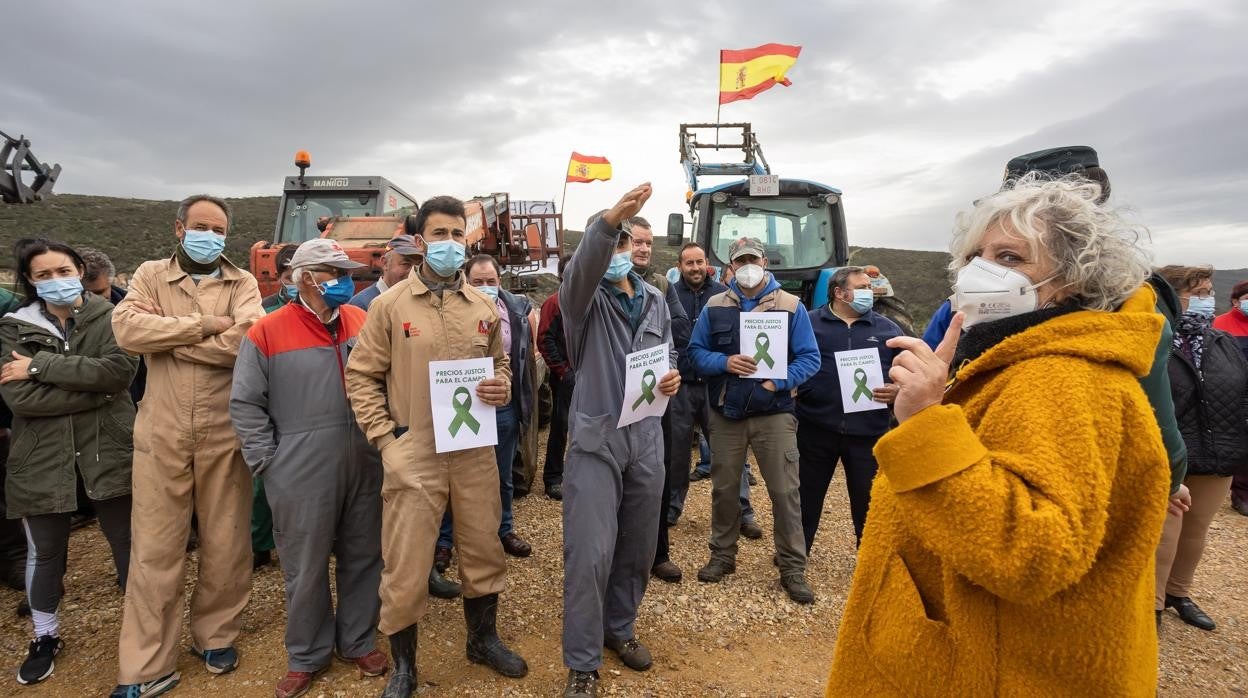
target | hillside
x=133, y=230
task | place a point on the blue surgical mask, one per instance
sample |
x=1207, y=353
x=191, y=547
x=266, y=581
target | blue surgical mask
x=444, y=257
x=491, y=291
x=864, y=298
x=1243, y=306
x=1201, y=305
x=335, y=292
x=203, y=246
x=621, y=264
x=673, y=275
x=65, y=290
x=292, y=291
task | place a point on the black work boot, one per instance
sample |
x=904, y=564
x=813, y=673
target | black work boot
x=442, y=587
x=402, y=681
x=484, y=645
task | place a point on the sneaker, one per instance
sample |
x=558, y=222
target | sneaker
x=147, y=688
x=667, y=571
x=39, y=665
x=581, y=684
x=715, y=570
x=751, y=530
x=795, y=584
x=634, y=654
x=221, y=661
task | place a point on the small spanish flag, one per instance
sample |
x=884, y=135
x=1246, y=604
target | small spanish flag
x=743, y=74
x=587, y=168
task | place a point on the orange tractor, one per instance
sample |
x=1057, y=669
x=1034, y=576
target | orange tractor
x=364, y=213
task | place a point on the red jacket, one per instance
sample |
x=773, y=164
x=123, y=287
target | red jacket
x=550, y=340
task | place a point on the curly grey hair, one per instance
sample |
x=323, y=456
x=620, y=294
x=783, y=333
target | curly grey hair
x=1094, y=250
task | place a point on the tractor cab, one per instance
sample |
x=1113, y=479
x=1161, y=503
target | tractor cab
x=308, y=201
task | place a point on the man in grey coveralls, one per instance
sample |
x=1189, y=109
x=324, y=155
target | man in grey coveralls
x=613, y=478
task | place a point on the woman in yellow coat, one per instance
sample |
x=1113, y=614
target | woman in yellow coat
x=1009, y=548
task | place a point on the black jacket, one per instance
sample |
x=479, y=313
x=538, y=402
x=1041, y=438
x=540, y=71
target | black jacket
x=1212, y=409
x=693, y=301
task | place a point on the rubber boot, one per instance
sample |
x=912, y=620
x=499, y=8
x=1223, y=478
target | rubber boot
x=484, y=645
x=442, y=587
x=402, y=681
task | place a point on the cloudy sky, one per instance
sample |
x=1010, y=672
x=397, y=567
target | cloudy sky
x=911, y=107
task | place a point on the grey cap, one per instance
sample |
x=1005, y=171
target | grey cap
x=406, y=245
x=744, y=246
x=322, y=251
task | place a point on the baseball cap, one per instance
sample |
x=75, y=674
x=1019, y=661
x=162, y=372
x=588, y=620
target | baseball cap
x=744, y=246
x=406, y=245
x=322, y=251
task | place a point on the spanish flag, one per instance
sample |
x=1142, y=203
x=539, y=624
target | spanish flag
x=745, y=73
x=587, y=168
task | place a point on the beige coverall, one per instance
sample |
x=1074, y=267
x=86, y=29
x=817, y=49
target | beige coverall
x=186, y=459
x=388, y=384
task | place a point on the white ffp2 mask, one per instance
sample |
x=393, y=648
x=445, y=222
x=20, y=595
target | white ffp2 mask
x=749, y=276
x=985, y=292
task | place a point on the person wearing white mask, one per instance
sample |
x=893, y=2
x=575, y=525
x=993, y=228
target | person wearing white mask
x=753, y=413
x=826, y=433
x=187, y=315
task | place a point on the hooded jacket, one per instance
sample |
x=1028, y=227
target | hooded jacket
x=74, y=413
x=1009, y=551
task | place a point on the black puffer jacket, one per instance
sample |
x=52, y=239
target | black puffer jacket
x=1212, y=409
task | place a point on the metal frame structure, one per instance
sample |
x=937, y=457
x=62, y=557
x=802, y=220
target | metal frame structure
x=16, y=158
x=753, y=161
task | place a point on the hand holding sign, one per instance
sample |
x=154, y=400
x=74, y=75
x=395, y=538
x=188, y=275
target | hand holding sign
x=460, y=420
x=641, y=377
x=765, y=343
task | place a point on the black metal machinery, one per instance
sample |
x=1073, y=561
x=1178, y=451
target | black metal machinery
x=16, y=160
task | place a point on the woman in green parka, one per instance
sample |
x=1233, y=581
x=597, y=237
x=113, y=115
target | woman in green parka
x=66, y=382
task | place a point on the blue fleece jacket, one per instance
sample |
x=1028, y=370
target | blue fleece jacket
x=803, y=350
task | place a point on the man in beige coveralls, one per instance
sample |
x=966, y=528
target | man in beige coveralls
x=186, y=315
x=432, y=315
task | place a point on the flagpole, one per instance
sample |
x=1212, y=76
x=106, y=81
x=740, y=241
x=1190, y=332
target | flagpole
x=718, y=103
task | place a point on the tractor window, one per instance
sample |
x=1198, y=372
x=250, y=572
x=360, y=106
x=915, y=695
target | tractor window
x=299, y=219
x=795, y=235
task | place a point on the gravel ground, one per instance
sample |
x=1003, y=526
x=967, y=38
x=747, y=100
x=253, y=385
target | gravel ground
x=739, y=638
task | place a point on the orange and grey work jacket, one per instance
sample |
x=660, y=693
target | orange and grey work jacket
x=189, y=372
x=407, y=327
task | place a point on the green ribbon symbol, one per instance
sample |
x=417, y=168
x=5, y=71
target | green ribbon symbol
x=860, y=385
x=762, y=343
x=462, y=415
x=648, y=382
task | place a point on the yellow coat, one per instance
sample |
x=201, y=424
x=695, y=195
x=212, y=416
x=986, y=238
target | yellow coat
x=1009, y=548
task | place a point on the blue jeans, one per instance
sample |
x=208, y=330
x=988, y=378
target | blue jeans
x=504, y=453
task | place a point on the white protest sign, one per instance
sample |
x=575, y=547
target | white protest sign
x=460, y=419
x=643, y=371
x=765, y=338
x=860, y=373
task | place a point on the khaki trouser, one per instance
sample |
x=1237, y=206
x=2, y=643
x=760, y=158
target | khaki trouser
x=1183, y=537
x=176, y=474
x=773, y=439
x=414, y=496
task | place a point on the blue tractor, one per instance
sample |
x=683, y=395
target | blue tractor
x=801, y=223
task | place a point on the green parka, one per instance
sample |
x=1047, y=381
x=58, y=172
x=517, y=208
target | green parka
x=74, y=412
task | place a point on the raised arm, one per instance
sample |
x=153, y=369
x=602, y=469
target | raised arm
x=593, y=255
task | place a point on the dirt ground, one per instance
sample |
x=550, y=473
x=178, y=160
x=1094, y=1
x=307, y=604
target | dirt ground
x=736, y=639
